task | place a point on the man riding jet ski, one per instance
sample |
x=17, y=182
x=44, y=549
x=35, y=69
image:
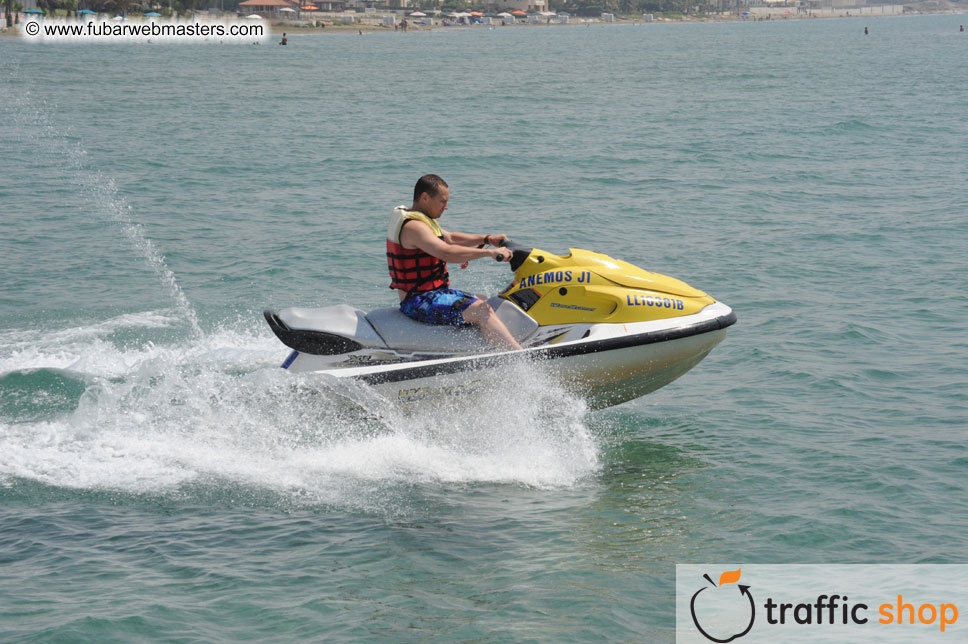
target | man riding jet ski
x=608, y=330
x=418, y=250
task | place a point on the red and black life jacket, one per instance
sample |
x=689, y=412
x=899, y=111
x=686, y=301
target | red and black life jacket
x=411, y=269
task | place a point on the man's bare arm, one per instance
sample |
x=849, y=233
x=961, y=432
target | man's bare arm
x=418, y=235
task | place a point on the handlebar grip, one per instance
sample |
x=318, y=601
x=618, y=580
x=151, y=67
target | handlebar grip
x=519, y=253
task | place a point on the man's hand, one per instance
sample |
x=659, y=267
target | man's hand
x=501, y=254
x=497, y=240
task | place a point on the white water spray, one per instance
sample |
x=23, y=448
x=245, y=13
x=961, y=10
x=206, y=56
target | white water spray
x=216, y=416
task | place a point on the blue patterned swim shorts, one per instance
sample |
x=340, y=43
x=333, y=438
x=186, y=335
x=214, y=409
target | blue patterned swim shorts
x=443, y=306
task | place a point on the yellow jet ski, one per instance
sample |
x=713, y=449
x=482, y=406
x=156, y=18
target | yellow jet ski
x=613, y=330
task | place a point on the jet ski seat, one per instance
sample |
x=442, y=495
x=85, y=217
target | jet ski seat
x=342, y=328
x=406, y=334
x=324, y=331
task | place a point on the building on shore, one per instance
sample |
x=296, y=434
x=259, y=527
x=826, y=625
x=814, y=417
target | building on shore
x=279, y=8
x=758, y=9
x=266, y=8
x=381, y=5
x=518, y=5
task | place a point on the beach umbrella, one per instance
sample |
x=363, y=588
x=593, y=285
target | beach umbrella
x=35, y=11
x=418, y=14
x=310, y=7
x=476, y=13
x=116, y=18
x=253, y=16
x=518, y=12
x=504, y=14
x=152, y=14
x=288, y=10
x=87, y=12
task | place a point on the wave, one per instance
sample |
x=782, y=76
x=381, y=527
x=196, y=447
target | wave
x=850, y=126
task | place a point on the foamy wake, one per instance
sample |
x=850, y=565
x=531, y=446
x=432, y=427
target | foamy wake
x=217, y=411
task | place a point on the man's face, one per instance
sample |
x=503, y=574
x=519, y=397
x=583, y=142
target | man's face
x=434, y=207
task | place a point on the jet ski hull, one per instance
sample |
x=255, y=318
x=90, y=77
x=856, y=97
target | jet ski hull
x=612, y=364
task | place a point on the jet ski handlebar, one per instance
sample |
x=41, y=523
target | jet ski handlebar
x=519, y=253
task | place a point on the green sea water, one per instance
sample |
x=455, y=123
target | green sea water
x=161, y=479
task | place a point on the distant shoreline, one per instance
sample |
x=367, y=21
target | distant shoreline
x=297, y=27
x=278, y=27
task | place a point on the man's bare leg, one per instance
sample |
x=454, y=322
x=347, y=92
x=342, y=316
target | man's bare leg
x=493, y=330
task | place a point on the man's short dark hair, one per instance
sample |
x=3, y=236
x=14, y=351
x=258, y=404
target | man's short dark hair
x=429, y=183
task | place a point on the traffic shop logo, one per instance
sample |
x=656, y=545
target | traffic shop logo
x=726, y=611
x=729, y=599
